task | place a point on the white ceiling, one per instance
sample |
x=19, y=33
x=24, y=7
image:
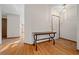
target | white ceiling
x=12, y=8
x=17, y=8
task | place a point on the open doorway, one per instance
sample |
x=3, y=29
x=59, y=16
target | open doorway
x=10, y=28
x=55, y=22
x=4, y=27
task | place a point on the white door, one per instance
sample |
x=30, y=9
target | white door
x=55, y=26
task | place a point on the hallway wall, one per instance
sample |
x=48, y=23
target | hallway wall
x=78, y=27
x=13, y=25
x=0, y=26
x=37, y=19
x=55, y=20
x=69, y=22
x=78, y=35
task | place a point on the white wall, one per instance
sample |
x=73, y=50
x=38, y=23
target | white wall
x=78, y=27
x=11, y=8
x=17, y=9
x=37, y=19
x=68, y=22
x=0, y=27
x=13, y=25
x=55, y=20
x=21, y=21
x=78, y=35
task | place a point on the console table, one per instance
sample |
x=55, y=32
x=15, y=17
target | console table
x=35, y=35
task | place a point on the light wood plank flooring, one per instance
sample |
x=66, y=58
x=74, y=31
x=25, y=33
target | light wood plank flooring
x=17, y=47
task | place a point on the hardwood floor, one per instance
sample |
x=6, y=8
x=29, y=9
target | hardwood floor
x=17, y=47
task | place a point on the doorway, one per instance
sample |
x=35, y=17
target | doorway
x=4, y=28
x=56, y=25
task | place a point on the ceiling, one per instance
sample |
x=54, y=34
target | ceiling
x=12, y=9
x=19, y=8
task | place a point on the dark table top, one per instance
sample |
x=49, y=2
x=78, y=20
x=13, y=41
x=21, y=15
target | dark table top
x=42, y=33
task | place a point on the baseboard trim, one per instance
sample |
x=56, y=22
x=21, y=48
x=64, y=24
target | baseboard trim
x=13, y=37
x=67, y=39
